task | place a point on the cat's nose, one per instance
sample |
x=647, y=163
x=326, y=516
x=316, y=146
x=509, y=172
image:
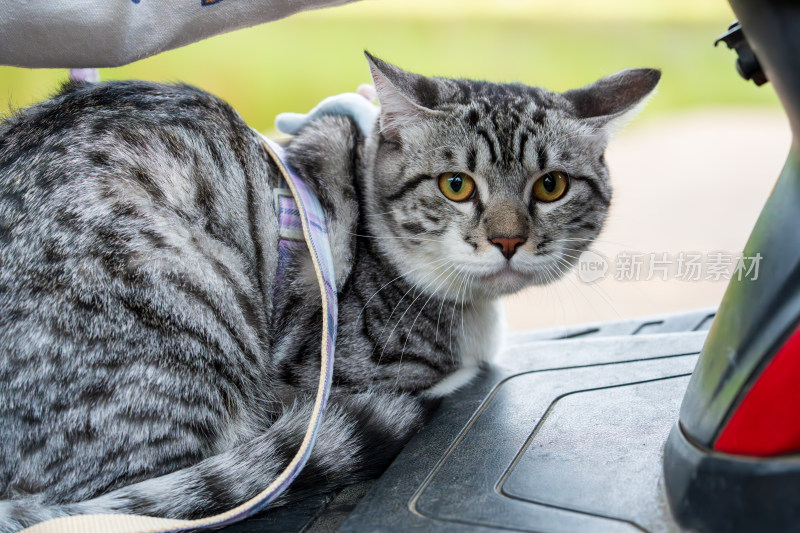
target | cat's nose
x=508, y=245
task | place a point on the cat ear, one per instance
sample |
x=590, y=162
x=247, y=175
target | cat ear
x=404, y=97
x=611, y=97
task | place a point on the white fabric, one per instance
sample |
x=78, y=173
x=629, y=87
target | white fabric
x=109, y=33
x=358, y=106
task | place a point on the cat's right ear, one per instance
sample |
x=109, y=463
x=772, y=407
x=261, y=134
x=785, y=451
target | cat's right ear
x=404, y=97
x=611, y=97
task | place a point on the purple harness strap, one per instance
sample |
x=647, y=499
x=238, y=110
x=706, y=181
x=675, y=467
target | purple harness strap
x=291, y=229
x=302, y=223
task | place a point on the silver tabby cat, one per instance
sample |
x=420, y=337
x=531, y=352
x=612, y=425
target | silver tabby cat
x=148, y=362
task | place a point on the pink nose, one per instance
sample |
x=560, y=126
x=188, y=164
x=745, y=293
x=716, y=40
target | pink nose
x=508, y=245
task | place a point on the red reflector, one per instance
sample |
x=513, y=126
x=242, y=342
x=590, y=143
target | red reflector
x=767, y=421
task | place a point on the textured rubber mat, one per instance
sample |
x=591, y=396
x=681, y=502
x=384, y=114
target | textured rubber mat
x=556, y=436
x=698, y=320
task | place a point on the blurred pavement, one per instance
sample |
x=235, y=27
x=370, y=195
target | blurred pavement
x=692, y=182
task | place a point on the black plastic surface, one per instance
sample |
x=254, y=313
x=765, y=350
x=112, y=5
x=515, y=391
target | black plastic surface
x=714, y=492
x=318, y=514
x=556, y=436
x=773, y=32
x=695, y=320
x=625, y=426
x=747, y=64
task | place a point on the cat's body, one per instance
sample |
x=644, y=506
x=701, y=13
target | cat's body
x=142, y=336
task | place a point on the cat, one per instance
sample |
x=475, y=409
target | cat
x=150, y=364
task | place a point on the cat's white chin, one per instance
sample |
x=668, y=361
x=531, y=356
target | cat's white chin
x=504, y=281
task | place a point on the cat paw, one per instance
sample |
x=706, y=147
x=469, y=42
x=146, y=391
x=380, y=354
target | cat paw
x=358, y=106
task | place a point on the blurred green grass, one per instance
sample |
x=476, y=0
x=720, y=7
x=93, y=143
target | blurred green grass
x=291, y=64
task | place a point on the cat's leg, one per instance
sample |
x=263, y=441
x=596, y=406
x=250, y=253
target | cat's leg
x=360, y=435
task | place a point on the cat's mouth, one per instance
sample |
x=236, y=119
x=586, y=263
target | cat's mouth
x=508, y=279
x=503, y=272
x=505, y=279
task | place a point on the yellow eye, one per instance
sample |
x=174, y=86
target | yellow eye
x=457, y=186
x=551, y=186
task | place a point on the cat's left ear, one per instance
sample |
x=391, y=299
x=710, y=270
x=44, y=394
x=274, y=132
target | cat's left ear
x=611, y=97
x=404, y=97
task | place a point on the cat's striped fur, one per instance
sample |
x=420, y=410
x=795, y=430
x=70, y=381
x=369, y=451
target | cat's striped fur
x=147, y=363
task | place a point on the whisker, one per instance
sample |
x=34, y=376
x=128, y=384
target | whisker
x=452, y=268
x=598, y=291
x=441, y=260
x=386, y=344
x=453, y=314
x=386, y=324
x=444, y=299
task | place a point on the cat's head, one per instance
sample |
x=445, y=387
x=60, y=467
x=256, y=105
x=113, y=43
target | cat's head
x=485, y=188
